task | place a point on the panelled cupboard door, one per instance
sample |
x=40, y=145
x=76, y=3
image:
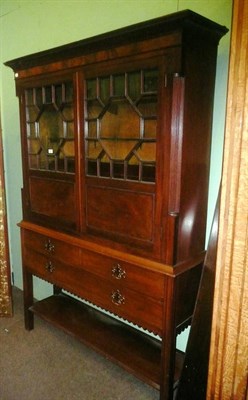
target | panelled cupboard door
x=127, y=112
x=121, y=118
x=49, y=138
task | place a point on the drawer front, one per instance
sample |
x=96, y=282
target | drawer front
x=129, y=304
x=124, y=274
x=53, y=248
x=116, y=271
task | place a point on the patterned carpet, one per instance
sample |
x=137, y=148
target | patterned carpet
x=46, y=364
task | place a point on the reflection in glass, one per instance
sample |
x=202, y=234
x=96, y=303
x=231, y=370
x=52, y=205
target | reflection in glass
x=50, y=127
x=121, y=124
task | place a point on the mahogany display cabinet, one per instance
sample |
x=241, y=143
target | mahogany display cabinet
x=116, y=135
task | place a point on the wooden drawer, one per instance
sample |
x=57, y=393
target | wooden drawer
x=53, y=248
x=114, y=270
x=129, y=304
x=124, y=274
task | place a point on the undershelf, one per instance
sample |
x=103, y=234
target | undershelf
x=133, y=350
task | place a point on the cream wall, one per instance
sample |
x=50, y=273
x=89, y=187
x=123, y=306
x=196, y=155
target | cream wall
x=28, y=26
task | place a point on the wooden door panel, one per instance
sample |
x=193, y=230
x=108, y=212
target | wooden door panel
x=51, y=198
x=121, y=213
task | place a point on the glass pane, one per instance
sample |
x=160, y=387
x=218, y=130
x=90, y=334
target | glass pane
x=38, y=97
x=105, y=167
x=32, y=113
x=59, y=95
x=91, y=89
x=50, y=125
x=104, y=89
x=48, y=98
x=150, y=128
x=92, y=168
x=94, y=109
x=121, y=115
x=133, y=168
x=67, y=113
x=120, y=120
x=134, y=85
x=29, y=97
x=94, y=149
x=33, y=161
x=92, y=129
x=150, y=80
x=118, y=150
x=68, y=88
x=34, y=146
x=147, y=106
x=31, y=129
x=118, y=170
x=148, y=173
x=42, y=160
x=146, y=152
x=119, y=85
x=69, y=130
x=52, y=163
x=68, y=149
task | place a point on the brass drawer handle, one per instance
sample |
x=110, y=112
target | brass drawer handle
x=49, y=266
x=118, y=272
x=49, y=246
x=117, y=298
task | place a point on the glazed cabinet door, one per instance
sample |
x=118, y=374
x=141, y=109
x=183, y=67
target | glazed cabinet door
x=122, y=136
x=48, y=144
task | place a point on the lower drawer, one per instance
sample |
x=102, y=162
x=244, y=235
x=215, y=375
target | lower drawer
x=135, y=306
x=124, y=274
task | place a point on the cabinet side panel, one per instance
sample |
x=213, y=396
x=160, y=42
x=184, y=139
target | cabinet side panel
x=199, y=70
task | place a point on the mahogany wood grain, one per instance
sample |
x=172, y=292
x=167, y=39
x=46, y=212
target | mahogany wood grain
x=58, y=199
x=102, y=265
x=83, y=233
x=89, y=243
x=199, y=72
x=52, y=248
x=138, y=306
x=125, y=214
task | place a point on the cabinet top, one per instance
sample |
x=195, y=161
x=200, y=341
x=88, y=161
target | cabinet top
x=186, y=22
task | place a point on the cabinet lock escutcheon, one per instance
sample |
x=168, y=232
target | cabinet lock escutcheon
x=118, y=272
x=49, y=266
x=117, y=298
x=49, y=246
